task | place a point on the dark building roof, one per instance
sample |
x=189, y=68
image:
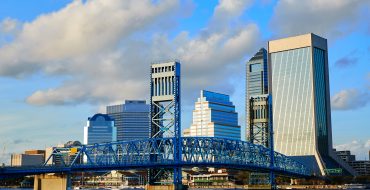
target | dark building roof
x=105, y=116
x=72, y=144
x=259, y=54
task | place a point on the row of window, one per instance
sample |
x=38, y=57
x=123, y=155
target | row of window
x=163, y=69
x=163, y=86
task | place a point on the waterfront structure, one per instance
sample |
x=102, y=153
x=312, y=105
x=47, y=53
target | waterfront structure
x=116, y=179
x=214, y=116
x=29, y=158
x=299, y=85
x=257, y=100
x=131, y=119
x=99, y=129
x=221, y=178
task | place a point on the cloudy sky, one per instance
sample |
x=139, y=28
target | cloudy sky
x=62, y=61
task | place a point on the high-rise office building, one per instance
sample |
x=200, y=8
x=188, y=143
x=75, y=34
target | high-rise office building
x=257, y=74
x=131, y=119
x=257, y=100
x=299, y=85
x=99, y=129
x=214, y=116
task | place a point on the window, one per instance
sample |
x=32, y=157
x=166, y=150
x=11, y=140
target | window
x=255, y=67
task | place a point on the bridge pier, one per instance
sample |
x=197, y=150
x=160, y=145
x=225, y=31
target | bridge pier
x=51, y=182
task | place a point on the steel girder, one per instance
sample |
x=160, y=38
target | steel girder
x=160, y=153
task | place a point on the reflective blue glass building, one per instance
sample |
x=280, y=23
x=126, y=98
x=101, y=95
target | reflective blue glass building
x=299, y=85
x=214, y=116
x=99, y=129
x=131, y=119
x=257, y=107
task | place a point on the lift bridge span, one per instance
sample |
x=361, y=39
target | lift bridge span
x=160, y=153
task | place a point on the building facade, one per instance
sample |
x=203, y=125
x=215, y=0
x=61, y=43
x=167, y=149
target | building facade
x=362, y=167
x=131, y=119
x=299, y=85
x=29, y=158
x=257, y=100
x=100, y=129
x=186, y=132
x=66, y=153
x=345, y=155
x=214, y=116
x=221, y=178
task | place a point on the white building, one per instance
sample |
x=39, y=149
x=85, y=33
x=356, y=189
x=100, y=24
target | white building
x=100, y=129
x=214, y=116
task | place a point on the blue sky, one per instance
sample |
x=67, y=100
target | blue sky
x=62, y=61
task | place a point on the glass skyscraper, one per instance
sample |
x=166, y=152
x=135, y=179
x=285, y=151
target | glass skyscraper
x=214, y=116
x=99, y=129
x=131, y=119
x=299, y=85
x=257, y=79
x=257, y=107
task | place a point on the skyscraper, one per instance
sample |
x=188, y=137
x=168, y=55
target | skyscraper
x=257, y=99
x=214, y=116
x=99, y=129
x=299, y=85
x=131, y=119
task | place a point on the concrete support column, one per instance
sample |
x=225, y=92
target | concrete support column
x=51, y=182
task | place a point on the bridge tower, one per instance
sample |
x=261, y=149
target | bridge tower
x=165, y=116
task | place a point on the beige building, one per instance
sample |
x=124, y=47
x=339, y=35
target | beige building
x=29, y=158
x=299, y=85
x=186, y=132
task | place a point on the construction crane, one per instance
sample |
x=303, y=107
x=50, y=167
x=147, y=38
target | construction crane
x=3, y=153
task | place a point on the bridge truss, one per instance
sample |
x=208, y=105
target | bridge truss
x=160, y=153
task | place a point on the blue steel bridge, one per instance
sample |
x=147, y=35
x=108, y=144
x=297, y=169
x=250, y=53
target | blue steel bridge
x=161, y=153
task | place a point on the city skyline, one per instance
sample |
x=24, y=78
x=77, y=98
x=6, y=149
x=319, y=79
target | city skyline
x=48, y=92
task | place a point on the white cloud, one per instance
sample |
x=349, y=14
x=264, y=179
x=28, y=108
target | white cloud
x=349, y=99
x=226, y=13
x=78, y=29
x=329, y=18
x=227, y=9
x=358, y=148
x=105, y=47
x=9, y=25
